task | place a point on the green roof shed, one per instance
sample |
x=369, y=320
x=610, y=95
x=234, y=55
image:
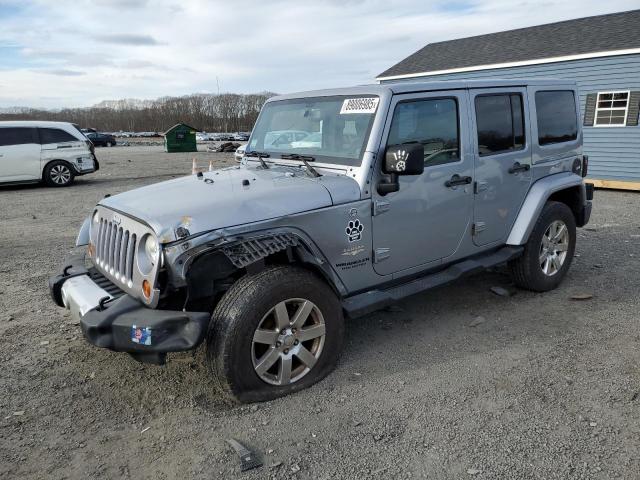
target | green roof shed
x=180, y=138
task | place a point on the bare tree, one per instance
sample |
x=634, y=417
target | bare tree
x=226, y=112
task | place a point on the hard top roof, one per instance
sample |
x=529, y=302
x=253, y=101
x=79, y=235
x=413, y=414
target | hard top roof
x=411, y=87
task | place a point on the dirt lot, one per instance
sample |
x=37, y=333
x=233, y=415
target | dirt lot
x=541, y=386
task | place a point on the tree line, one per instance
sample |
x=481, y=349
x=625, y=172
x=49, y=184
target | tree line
x=226, y=112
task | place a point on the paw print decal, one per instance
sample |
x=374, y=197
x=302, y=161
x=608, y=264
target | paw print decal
x=401, y=160
x=354, y=230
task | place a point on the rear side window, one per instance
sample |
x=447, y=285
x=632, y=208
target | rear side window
x=557, y=120
x=17, y=136
x=500, y=122
x=55, y=135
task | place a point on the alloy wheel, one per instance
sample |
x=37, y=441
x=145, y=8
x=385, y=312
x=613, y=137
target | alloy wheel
x=60, y=174
x=554, y=247
x=288, y=341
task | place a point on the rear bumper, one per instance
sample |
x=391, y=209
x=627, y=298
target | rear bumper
x=585, y=212
x=584, y=215
x=122, y=323
x=83, y=171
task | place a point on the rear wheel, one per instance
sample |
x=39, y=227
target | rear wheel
x=548, y=252
x=58, y=174
x=274, y=333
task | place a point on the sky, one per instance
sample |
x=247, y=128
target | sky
x=60, y=53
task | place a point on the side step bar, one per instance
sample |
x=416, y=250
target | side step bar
x=367, y=302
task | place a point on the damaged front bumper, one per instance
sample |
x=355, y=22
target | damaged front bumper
x=120, y=322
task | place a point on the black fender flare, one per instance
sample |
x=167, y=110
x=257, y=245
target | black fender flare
x=249, y=250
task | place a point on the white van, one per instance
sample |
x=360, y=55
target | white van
x=51, y=152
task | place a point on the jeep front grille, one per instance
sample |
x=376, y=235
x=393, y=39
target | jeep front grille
x=116, y=240
x=115, y=250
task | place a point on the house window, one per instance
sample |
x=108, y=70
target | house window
x=612, y=109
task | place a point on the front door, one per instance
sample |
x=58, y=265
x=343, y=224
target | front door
x=426, y=219
x=502, y=161
x=19, y=154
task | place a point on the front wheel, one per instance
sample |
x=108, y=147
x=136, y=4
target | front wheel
x=274, y=333
x=548, y=252
x=58, y=174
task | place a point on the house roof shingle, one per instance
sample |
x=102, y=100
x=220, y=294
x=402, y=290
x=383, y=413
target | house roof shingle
x=602, y=33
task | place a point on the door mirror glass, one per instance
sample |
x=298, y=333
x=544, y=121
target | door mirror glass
x=406, y=159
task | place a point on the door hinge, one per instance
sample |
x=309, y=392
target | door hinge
x=380, y=254
x=478, y=227
x=380, y=206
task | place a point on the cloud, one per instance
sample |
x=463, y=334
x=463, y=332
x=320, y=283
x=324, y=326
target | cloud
x=77, y=49
x=64, y=72
x=134, y=63
x=127, y=39
x=126, y=4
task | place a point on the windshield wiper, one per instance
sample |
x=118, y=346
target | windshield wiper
x=304, y=159
x=261, y=156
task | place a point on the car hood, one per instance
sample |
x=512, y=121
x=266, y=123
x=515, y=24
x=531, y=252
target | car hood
x=230, y=197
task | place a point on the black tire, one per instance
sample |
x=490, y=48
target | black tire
x=526, y=270
x=58, y=174
x=239, y=313
x=109, y=144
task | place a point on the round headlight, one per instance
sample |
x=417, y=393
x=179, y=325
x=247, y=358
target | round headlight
x=148, y=254
x=151, y=247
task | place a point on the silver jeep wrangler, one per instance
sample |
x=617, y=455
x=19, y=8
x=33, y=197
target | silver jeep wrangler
x=346, y=201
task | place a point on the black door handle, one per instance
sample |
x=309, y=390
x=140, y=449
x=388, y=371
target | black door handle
x=517, y=167
x=457, y=180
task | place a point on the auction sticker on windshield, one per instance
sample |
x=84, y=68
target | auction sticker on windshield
x=359, y=105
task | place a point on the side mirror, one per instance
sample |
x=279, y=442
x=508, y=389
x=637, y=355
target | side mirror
x=407, y=159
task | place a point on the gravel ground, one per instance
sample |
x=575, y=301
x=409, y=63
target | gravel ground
x=541, y=386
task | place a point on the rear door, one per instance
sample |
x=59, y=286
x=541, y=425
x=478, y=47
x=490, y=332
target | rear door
x=501, y=134
x=19, y=154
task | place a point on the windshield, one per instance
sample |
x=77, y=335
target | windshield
x=329, y=129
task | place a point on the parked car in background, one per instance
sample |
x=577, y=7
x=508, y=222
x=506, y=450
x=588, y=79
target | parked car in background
x=224, y=137
x=283, y=138
x=313, y=140
x=51, y=152
x=239, y=153
x=101, y=139
x=240, y=136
